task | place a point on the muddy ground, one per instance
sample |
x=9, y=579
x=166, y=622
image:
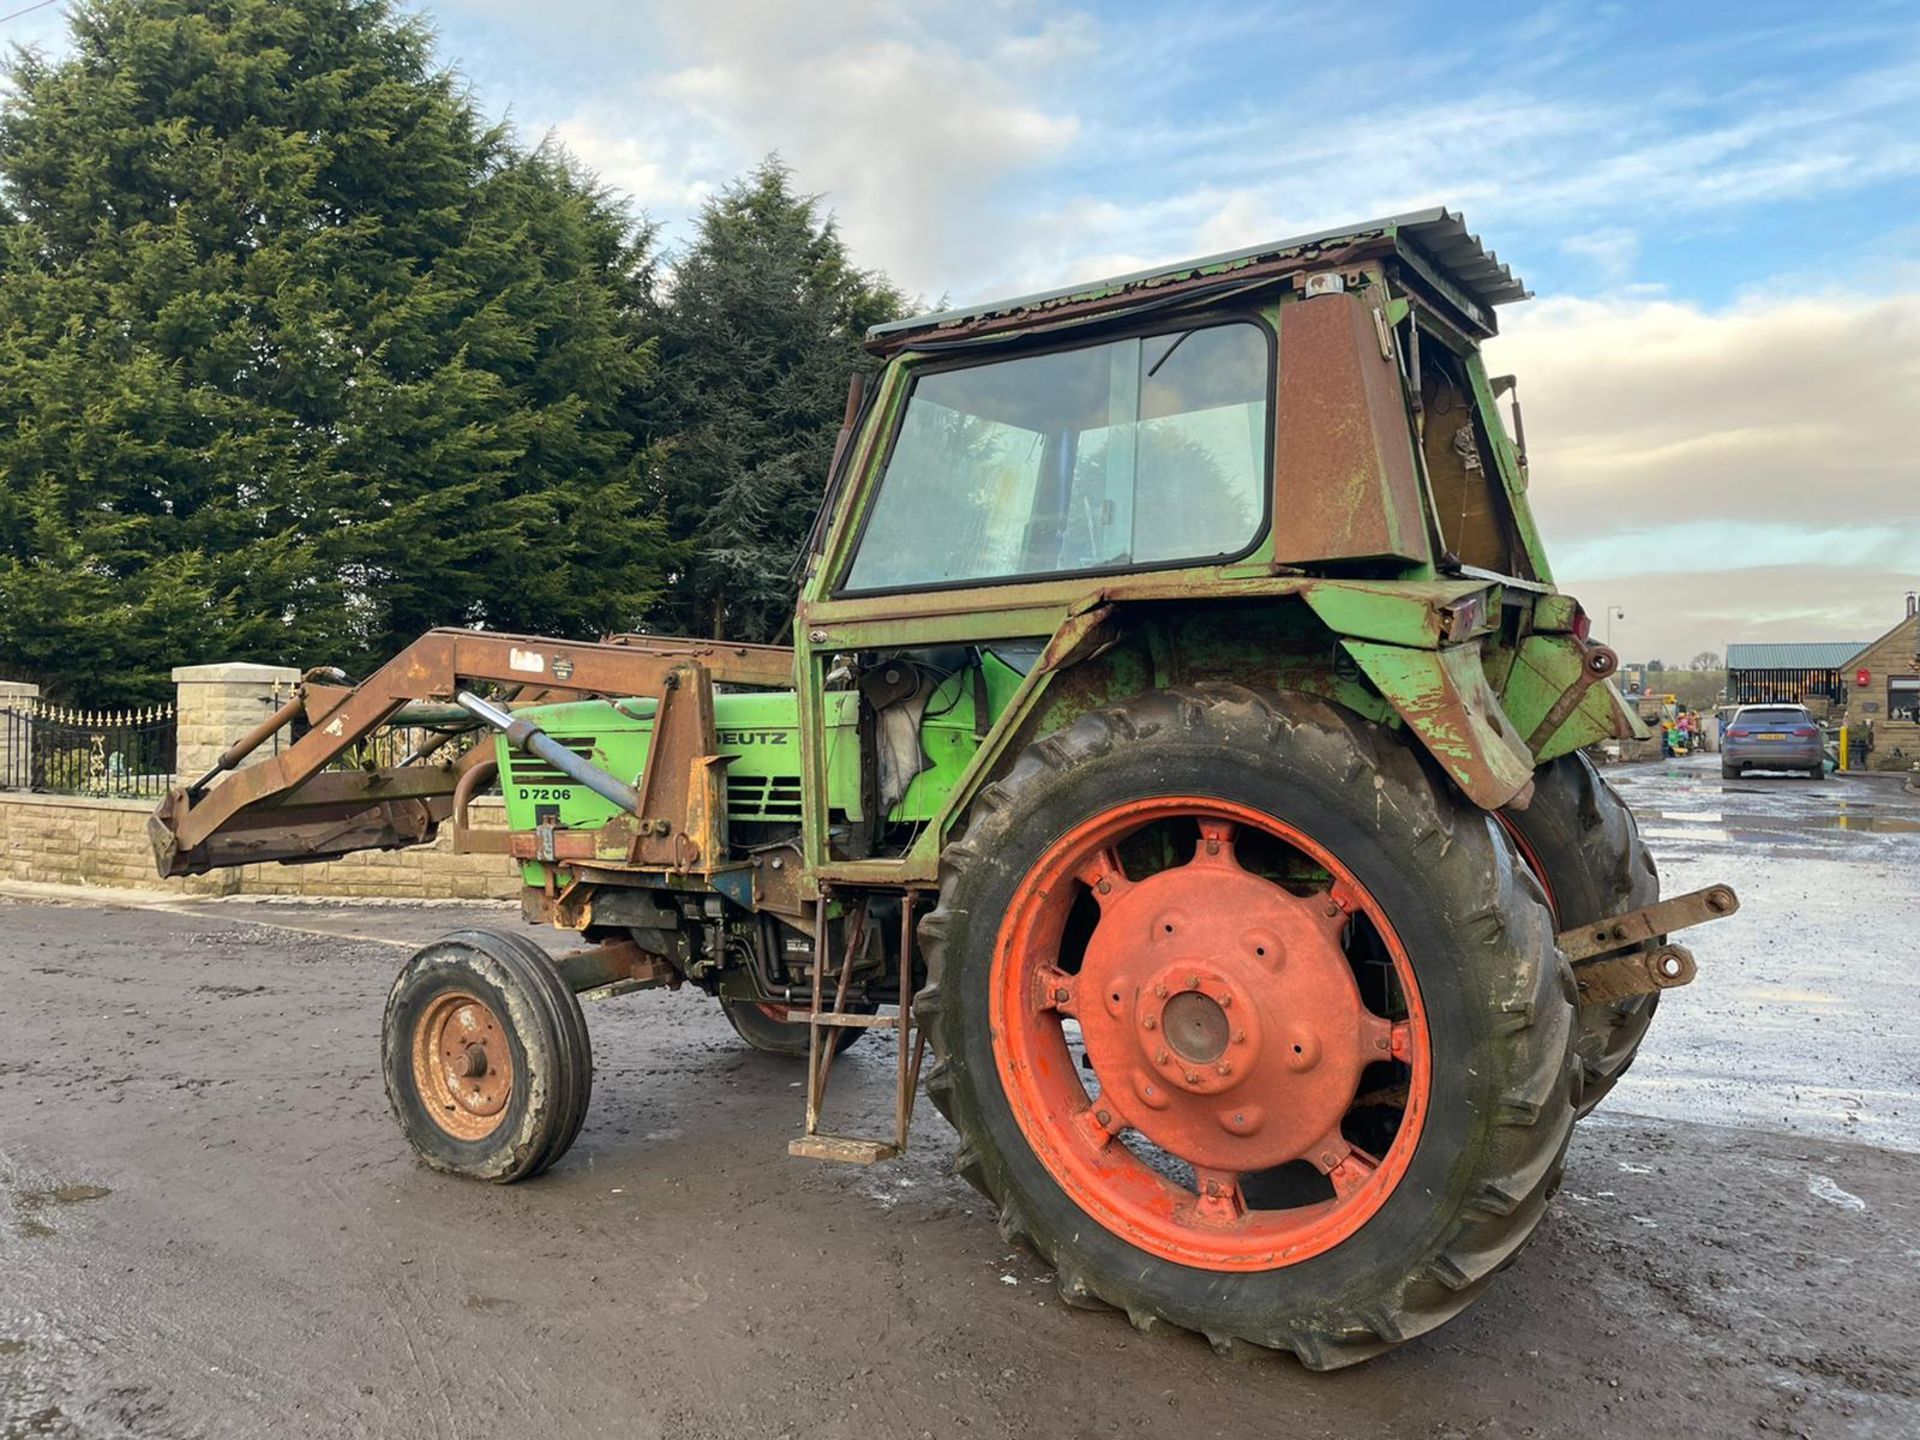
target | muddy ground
x=210, y=1226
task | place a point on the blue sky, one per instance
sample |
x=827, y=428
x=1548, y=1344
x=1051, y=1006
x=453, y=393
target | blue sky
x=1718, y=206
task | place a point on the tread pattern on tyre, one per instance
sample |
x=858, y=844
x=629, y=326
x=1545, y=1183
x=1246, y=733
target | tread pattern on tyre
x=1527, y=1148
x=1597, y=866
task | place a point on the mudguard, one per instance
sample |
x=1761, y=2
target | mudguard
x=1445, y=698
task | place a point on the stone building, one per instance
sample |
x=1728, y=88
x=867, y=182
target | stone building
x=1884, y=684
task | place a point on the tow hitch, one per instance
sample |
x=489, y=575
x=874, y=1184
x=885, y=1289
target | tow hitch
x=1650, y=961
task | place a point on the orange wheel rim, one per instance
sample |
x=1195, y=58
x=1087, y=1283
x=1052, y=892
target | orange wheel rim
x=462, y=1065
x=1256, y=1056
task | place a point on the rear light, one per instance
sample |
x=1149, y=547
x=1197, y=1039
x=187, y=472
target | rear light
x=1738, y=734
x=1804, y=732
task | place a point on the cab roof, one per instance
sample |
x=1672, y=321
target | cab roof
x=1435, y=243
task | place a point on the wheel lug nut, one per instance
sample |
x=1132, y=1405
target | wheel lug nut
x=1160, y=991
x=1239, y=1037
x=1193, y=1077
x=1161, y=1058
x=1150, y=1023
x=1105, y=1117
x=1062, y=994
x=1193, y=982
x=1223, y=1068
x=1225, y=1001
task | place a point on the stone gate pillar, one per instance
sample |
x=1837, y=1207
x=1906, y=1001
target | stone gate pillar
x=16, y=731
x=216, y=704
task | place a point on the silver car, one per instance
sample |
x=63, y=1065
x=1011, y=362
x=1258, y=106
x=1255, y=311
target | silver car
x=1772, y=737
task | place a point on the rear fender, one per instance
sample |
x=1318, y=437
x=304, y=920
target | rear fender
x=1446, y=700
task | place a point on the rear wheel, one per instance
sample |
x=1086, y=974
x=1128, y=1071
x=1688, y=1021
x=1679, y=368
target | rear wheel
x=1581, y=840
x=770, y=1028
x=1278, y=1050
x=1729, y=772
x=487, y=1060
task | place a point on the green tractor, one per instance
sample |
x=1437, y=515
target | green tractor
x=1182, y=736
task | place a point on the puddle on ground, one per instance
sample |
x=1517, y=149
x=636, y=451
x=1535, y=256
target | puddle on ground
x=1724, y=823
x=60, y=1195
x=31, y=1226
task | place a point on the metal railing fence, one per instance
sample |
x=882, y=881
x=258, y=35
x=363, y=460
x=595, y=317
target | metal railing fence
x=71, y=750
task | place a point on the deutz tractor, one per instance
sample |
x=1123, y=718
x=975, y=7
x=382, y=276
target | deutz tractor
x=1182, y=736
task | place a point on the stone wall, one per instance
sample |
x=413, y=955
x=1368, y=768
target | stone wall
x=71, y=840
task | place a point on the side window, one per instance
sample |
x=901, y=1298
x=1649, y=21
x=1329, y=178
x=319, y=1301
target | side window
x=1138, y=452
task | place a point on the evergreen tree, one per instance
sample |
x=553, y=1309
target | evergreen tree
x=760, y=330
x=299, y=357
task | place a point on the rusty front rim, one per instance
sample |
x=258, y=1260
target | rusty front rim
x=462, y=1065
x=1209, y=1033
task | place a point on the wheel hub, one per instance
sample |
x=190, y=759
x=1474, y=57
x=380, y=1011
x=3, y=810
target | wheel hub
x=1228, y=1006
x=462, y=1065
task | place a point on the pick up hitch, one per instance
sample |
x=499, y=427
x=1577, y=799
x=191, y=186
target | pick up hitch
x=1650, y=962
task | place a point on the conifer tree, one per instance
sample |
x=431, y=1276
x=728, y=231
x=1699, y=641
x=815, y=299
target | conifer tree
x=299, y=356
x=760, y=330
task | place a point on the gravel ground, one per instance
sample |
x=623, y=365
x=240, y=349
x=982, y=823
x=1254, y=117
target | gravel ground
x=210, y=1226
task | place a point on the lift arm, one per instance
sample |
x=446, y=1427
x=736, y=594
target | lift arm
x=291, y=807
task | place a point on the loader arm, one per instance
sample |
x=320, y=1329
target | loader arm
x=291, y=807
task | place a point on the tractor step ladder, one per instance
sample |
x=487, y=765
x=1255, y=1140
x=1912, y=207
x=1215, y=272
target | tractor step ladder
x=823, y=1023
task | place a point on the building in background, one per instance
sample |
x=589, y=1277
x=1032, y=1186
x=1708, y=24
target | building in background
x=1815, y=675
x=1884, y=678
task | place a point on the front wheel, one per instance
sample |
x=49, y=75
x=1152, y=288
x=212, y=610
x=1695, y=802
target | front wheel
x=488, y=1064
x=1248, y=1026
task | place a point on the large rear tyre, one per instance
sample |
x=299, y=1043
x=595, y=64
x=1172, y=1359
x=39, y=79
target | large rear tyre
x=1248, y=1026
x=767, y=1029
x=488, y=1064
x=1581, y=840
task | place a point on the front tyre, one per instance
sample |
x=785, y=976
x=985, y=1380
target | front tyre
x=488, y=1064
x=1284, y=1047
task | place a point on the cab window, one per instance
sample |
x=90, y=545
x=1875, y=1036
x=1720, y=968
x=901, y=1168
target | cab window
x=1144, y=452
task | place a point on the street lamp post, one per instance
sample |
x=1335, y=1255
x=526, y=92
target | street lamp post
x=1614, y=612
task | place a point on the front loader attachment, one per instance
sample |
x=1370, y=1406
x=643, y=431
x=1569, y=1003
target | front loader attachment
x=308, y=802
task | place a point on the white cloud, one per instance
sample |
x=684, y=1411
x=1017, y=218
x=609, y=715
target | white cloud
x=1797, y=409
x=1744, y=474
x=909, y=125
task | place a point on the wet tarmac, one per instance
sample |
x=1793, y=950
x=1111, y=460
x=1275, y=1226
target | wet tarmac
x=1802, y=1017
x=209, y=1225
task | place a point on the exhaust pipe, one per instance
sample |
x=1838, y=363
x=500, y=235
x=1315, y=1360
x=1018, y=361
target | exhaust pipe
x=527, y=736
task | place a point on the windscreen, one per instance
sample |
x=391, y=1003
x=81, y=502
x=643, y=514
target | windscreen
x=1139, y=452
x=1773, y=715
